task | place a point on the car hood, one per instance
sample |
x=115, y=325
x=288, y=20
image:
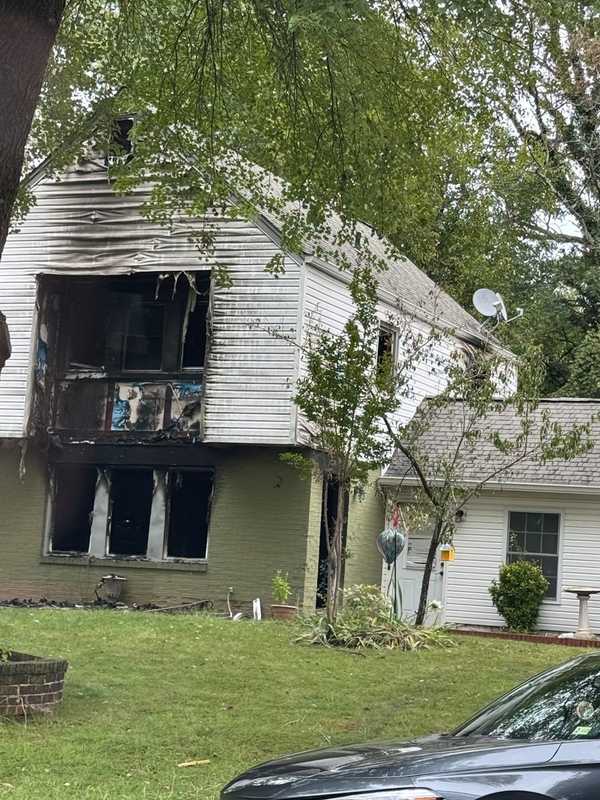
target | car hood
x=381, y=765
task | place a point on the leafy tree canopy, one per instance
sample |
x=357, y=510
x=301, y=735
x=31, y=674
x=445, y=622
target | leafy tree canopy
x=464, y=131
x=344, y=99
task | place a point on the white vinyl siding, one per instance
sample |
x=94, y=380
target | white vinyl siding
x=80, y=226
x=481, y=543
x=328, y=303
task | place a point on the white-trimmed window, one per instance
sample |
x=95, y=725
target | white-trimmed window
x=130, y=512
x=534, y=536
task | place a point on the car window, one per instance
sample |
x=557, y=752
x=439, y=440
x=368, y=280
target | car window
x=563, y=704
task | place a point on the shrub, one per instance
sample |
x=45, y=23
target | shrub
x=518, y=594
x=366, y=621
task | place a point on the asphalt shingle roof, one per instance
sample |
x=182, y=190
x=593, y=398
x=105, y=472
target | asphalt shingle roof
x=409, y=284
x=481, y=457
x=413, y=290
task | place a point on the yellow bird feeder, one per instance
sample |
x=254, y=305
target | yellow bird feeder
x=447, y=553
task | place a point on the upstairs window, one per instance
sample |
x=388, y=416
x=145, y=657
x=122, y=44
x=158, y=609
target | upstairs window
x=120, y=146
x=137, y=324
x=194, y=336
x=386, y=346
x=533, y=536
x=135, y=335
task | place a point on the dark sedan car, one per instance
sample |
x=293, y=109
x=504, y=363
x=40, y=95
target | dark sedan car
x=541, y=741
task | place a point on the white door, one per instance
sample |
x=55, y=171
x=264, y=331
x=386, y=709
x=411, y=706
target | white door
x=409, y=575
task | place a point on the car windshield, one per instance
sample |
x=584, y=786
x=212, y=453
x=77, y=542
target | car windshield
x=563, y=703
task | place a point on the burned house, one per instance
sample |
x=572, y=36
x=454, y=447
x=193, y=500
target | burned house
x=145, y=405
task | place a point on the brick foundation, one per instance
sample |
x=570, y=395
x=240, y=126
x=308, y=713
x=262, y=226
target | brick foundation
x=541, y=638
x=30, y=684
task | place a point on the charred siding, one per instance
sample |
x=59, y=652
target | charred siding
x=80, y=226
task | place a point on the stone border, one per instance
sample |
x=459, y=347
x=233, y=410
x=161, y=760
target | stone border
x=538, y=638
x=30, y=684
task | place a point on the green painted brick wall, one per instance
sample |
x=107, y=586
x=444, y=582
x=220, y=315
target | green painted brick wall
x=263, y=519
x=366, y=518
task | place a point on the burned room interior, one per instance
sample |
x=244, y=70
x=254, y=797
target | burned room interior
x=117, y=396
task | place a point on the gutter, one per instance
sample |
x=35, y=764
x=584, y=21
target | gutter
x=514, y=486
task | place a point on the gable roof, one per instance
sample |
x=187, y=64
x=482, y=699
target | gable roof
x=481, y=457
x=406, y=285
x=411, y=288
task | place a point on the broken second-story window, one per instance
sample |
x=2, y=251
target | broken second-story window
x=135, y=324
x=135, y=332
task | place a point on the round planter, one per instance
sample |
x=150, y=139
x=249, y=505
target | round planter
x=284, y=612
x=110, y=588
x=30, y=684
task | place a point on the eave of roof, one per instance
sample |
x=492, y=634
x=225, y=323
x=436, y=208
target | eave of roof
x=498, y=486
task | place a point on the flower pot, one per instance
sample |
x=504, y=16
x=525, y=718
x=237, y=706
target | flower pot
x=283, y=612
x=110, y=588
x=30, y=684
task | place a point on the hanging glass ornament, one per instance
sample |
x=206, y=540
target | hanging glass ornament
x=390, y=543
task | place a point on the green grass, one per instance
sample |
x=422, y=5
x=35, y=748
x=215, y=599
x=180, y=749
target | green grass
x=146, y=692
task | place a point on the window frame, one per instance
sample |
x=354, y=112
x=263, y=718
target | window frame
x=387, y=327
x=111, y=503
x=529, y=509
x=170, y=473
x=123, y=370
x=75, y=557
x=51, y=511
x=172, y=338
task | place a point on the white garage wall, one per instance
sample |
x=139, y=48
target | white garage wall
x=481, y=548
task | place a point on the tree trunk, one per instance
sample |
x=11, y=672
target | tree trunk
x=335, y=562
x=435, y=542
x=28, y=29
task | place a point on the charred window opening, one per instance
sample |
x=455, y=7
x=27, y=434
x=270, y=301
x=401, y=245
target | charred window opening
x=131, y=503
x=120, y=146
x=141, y=323
x=385, y=346
x=194, y=334
x=75, y=487
x=134, y=512
x=135, y=330
x=143, y=341
x=190, y=498
x=86, y=344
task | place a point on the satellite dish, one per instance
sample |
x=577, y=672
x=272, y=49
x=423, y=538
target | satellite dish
x=500, y=308
x=485, y=301
x=491, y=304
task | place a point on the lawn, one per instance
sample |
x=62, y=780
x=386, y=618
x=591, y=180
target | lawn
x=147, y=692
